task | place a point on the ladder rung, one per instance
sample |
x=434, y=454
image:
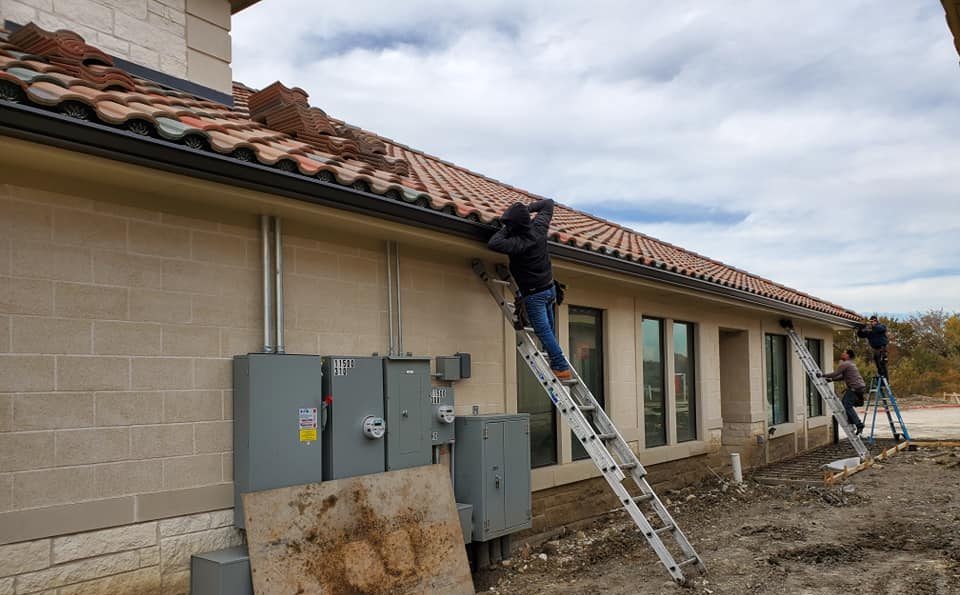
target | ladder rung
x=609, y=436
x=628, y=466
x=688, y=562
x=500, y=281
x=587, y=408
x=665, y=529
x=529, y=329
x=643, y=498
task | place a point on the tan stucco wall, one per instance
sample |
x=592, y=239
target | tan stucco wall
x=188, y=39
x=124, y=293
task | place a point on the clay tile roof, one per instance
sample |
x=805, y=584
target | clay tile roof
x=277, y=126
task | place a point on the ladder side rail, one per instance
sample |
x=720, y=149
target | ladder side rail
x=903, y=427
x=603, y=460
x=569, y=400
x=839, y=413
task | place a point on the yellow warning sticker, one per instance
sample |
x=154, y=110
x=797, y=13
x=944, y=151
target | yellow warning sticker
x=308, y=435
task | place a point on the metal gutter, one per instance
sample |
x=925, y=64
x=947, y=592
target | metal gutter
x=36, y=125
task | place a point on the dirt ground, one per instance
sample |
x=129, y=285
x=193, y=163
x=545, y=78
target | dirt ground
x=894, y=528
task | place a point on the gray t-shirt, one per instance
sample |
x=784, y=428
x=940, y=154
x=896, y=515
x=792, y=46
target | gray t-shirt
x=848, y=372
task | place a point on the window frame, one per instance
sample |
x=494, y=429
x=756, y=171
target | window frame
x=664, y=388
x=770, y=400
x=600, y=321
x=813, y=396
x=693, y=397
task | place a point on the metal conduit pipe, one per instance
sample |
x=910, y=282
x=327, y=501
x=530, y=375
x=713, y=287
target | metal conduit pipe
x=267, y=289
x=392, y=337
x=396, y=254
x=278, y=287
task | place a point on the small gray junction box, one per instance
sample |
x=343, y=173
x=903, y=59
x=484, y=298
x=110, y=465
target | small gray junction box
x=223, y=572
x=277, y=400
x=353, y=394
x=493, y=472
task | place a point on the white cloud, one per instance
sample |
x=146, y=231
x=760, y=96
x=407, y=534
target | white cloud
x=831, y=124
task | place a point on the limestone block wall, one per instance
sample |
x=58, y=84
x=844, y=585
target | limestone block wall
x=187, y=39
x=144, y=559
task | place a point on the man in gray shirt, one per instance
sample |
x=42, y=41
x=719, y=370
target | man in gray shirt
x=848, y=372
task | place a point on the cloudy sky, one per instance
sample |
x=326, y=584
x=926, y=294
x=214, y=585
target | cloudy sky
x=814, y=142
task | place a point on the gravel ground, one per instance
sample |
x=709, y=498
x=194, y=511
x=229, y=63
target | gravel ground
x=894, y=528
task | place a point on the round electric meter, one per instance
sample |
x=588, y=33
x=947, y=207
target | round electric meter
x=374, y=427
x=446, y=414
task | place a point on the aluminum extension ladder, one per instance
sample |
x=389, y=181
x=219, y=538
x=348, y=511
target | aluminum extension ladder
x=880, y=391
x=601, y=439
x=814, y=372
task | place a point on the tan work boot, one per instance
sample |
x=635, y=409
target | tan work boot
x=563, y=375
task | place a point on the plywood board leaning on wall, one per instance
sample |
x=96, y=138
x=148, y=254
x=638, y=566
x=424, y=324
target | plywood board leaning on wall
x=395, y=532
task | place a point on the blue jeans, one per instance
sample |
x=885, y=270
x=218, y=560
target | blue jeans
x=539, y=308
x=849, y=398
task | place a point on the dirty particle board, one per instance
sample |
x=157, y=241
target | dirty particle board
x=396, y=532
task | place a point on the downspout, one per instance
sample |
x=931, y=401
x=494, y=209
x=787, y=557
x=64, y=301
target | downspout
x=267, y=293
x=278, y=287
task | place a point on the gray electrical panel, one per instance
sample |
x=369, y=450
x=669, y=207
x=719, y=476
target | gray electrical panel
x=493, y=472
x=441, y=415
x=406, y=382
x=276, y=408
x=224, y=572
x=353, y=441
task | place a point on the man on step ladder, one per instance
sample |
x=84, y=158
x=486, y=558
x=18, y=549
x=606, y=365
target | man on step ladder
x=525, y=242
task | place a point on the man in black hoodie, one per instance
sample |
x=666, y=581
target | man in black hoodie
x=876, y=335
x=525, y=242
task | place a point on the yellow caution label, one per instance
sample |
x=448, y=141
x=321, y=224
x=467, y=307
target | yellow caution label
x=308, y=435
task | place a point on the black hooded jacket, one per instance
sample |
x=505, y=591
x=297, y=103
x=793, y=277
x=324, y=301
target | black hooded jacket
x=525, y=242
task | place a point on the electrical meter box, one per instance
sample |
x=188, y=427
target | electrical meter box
x=223, y=572
x=493, y=472
x=406, y=387
x=442, y=415
x=277, y=401
x=353, y=437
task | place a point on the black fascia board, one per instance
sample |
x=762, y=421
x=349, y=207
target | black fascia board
x=41, y=126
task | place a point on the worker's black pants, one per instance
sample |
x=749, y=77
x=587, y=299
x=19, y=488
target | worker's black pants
x=880, y=359
x=849, y=400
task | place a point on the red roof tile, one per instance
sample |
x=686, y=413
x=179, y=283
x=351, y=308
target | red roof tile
x=276, y=126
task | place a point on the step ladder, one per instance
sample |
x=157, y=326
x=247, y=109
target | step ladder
x=814, y=373
x=599, y=437
x=881, y=393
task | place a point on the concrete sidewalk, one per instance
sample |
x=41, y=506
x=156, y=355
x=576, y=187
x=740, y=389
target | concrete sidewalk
x=934, y=422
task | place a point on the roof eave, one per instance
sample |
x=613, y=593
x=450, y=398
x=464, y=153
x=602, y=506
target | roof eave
x=37, y=125
x=238, y=5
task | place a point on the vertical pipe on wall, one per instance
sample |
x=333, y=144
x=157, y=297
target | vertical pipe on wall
x=392, y=337
x=267, y=289
x=396, y=254
x=278, y=287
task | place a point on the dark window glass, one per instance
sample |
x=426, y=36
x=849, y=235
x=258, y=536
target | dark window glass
x=814, y=402
x=775, y=347
x=532, y=399
x=586, y=355
x=654, y=393
x=685, y=382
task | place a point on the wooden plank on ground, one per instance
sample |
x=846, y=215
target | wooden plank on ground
x=830, y=479
x=395, y=532
x=936, y=443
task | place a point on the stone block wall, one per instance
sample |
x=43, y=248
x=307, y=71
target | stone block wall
x=187, y=39
x=144, y=559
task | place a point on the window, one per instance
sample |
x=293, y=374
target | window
x=814, y=402
x=685, y=382
x=775, y=348
x=543, y=416
x=654, y=387
x=586, y=355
